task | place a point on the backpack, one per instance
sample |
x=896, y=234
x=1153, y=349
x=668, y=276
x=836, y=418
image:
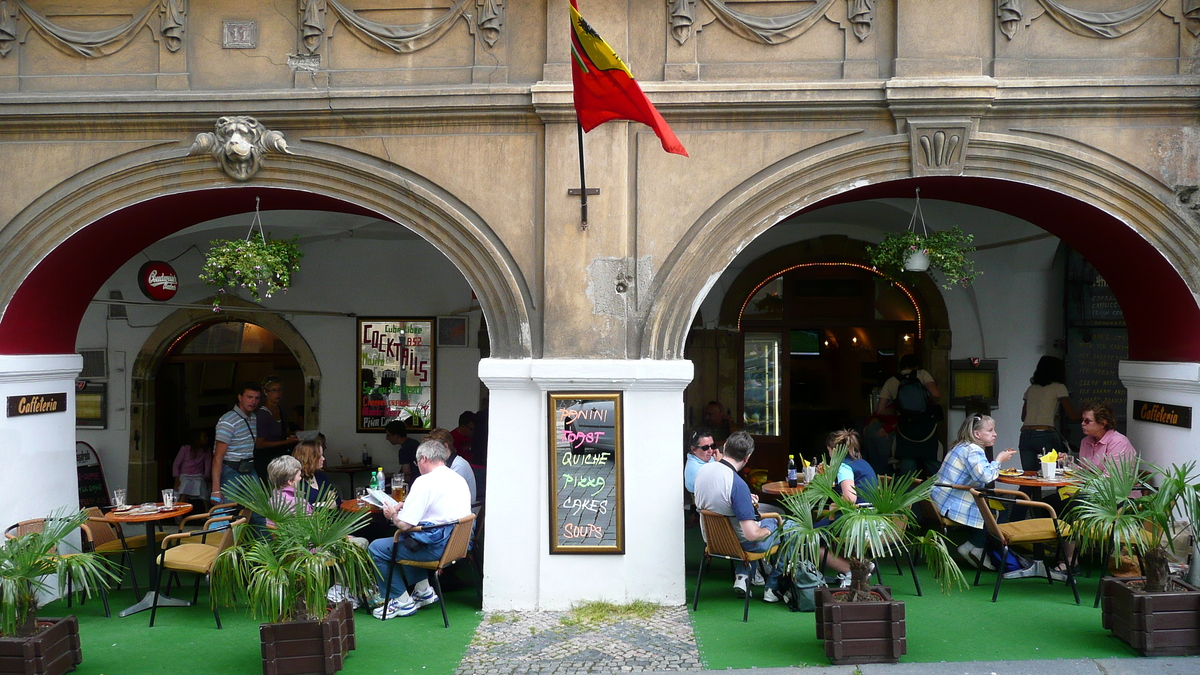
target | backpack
x=799, y=588
x=912, y=398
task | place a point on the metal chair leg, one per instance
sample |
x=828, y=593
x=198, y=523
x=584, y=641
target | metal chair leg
x=387, y=593
x=999, y=570
x=154, y=607
x=746, y=611
x=196, y=591
x=912, y=569
x=437, y=586
x=104, y=599
x=699, y=580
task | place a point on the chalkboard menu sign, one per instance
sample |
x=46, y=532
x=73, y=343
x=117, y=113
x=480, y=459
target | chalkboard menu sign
x=587, y=509
x=92, y=489
x=1097, y=340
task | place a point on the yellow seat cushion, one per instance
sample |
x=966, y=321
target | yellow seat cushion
x=196, y=558
x=1032, y=530
x=752, y=556
x=133, y=543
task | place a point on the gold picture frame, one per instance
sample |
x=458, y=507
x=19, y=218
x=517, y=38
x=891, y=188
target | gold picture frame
x=587, y=466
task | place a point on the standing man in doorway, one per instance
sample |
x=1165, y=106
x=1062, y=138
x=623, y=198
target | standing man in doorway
x=233, y=454
x=462, y=435
x=274, y=438
x=396, y=433
x=912, y=394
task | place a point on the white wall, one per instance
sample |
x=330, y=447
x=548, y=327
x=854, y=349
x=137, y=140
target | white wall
x=393, y=274
x=522, y=574
x=38, y=450
x=1160, y=382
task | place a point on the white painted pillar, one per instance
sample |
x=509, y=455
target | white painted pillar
x=37, y=451
x=1167, y=382
x=519, y=571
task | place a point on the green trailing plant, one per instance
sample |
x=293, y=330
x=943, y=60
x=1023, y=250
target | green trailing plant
x=263, y=267
x=947, y=250
x=881, y=528
x=1103, y=515
x=27, y=560
x=285, y=574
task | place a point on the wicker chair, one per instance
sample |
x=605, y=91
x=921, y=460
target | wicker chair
x=1030, y=531
x=87, y=543
x=197, y=555
x=457, y=548
x=720, y=541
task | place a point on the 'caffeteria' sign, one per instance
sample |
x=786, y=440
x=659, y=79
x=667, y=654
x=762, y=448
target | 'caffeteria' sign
x=1163, y=413
x=35, y=404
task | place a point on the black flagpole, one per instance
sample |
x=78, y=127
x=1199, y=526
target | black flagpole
x=583, y=193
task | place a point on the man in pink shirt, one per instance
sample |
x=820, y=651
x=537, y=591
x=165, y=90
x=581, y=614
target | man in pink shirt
x=1101, y=442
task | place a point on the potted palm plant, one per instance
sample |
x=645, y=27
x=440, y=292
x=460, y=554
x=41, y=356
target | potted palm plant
x=863, y=623
x=1157, y=613
x=286, y=574
x=32, y=644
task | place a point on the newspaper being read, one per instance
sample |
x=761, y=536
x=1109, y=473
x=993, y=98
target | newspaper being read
x=379, y=498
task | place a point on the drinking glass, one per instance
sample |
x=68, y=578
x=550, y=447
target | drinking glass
x=810, y=472
x=168, y=498
x=360, y=494
x=118, y=497
x=398, y=491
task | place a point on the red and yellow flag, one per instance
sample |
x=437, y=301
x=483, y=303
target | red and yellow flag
x=605, y=89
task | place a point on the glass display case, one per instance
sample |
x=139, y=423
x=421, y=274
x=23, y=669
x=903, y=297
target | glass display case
x=761, y=383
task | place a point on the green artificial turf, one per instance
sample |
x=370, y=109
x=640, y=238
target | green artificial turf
x=1031, y=620
x=186, y=639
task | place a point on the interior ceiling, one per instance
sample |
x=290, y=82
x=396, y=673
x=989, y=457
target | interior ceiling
x=311, y=226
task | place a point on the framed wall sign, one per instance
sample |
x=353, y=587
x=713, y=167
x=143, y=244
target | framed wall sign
x=587, y=505
x=395, y=372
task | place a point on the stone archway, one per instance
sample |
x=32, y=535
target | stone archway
x=142, y=465
x=91, y=224
x=1122, y=221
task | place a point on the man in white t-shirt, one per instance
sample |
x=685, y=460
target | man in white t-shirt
x=439, y=497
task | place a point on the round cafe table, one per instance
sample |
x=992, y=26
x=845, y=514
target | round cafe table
x=136, y=515
x=1032, y=479
x=780, y=488
x=353, y=506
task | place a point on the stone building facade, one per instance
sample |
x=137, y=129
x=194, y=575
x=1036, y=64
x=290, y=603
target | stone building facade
x=453, y=119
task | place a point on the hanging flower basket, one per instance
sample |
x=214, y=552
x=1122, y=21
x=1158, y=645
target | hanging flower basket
x=263, y=267
x=899, y=255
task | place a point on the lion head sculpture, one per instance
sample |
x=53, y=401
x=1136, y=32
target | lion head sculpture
x=239, y=145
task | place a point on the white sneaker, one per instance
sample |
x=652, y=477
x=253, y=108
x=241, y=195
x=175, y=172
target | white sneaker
x=1035, y=569
x=758, y=579
x=396, y=608
x=338, y=593
x=739, y=586
x=428, y=597
x=770, y=596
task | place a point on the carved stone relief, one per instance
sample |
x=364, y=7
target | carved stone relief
x=172, y=25
x=1191, y=16
x=1189, y=198
x=491, y=20
x=862, y=16
x=1011, y=16
x=312, y=24
x=238, y=145
x=8, y=27
x=771, y=30
x=404, y=39
x=938, y=146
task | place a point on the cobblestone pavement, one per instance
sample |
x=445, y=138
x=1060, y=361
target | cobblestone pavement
x=546, y=643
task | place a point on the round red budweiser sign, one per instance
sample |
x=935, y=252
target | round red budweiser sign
x=158, y=280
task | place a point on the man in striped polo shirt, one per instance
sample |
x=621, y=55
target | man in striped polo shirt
x=233, y=454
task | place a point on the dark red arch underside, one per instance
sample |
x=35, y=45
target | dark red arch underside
x=1160, y=312
x=44, y=314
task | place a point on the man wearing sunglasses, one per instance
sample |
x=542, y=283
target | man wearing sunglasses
x=702, y=450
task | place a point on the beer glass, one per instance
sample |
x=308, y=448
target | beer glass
x=398, y=490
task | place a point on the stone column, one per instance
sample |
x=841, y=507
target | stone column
x=1171, y=383
x=39, y=450
x=520, y=572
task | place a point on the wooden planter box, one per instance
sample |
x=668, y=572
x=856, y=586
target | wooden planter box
x=861, y=632
x=1155, y=624
x=308, y=647
x=53, y=651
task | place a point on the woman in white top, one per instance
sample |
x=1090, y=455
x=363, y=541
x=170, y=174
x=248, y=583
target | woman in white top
x=1046, y=393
